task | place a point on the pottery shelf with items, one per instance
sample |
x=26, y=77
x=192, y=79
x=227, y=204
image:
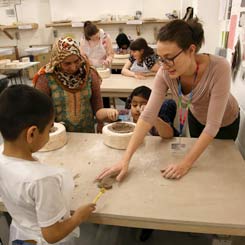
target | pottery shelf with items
x=22, y=26
x=150, y=21
x=137, y=23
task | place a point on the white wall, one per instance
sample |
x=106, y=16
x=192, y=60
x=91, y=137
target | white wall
x=238, y=85
x=45, y=11
x=208, y=11
x=36, y=11
x=76, y=9
x=93, y=9
x=238, y=90
x=158, y=8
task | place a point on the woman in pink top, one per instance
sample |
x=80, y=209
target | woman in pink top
x=200, y=82
x=96, y=45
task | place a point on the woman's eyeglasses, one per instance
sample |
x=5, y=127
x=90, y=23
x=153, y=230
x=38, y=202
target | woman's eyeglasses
x=168, y=61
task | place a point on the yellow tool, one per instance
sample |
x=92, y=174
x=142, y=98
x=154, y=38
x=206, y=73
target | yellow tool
x=102, y=191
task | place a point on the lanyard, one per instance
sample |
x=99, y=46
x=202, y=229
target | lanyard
x=182, y=118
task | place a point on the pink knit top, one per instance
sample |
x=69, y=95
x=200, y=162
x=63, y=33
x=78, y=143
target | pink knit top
x=212, y=103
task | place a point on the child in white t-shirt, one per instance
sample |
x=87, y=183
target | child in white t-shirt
x=36, y=195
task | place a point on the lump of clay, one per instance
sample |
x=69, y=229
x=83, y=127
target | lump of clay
x=108, y=181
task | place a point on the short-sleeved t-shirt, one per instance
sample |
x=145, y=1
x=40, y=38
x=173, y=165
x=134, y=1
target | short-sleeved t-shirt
x=36, y=195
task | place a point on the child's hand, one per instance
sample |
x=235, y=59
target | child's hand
x=83, y=212
x=112, y=114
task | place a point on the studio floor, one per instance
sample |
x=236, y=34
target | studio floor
x=93, y=234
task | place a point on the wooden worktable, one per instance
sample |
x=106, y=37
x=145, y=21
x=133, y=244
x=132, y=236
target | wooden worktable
x=20, y=70
x=209, y=199
x=24, y=65
x=118, y=63
x=118, y=85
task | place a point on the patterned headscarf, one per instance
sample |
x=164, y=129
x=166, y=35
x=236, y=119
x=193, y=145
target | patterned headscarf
x=63, y=48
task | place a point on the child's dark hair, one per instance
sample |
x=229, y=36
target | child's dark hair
x=90, y=29
x=141, y=91
x=122, y=40
x=139, y=44
x=184, y=33
x=22, y=106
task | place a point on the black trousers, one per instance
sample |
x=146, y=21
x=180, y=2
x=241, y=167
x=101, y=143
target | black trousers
x=228, y=132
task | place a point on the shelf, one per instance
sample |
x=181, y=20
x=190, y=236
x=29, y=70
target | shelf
x=23, y=26
x=69, y=24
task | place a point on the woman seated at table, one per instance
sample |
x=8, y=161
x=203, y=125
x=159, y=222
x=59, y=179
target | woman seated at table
x=74, y=87
x=96, y=45
x=142, y=62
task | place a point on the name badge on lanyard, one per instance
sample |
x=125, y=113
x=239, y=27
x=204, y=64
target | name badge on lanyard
x=183, y=113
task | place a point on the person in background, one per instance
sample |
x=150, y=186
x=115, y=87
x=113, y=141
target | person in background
x=164, y=125
x=96, y=45
x=74, y=87
x=123, y=43
x=39, y=198
x=200, y=82
x=142, y=62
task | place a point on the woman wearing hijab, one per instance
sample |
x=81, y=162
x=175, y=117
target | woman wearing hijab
x=74, y=87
